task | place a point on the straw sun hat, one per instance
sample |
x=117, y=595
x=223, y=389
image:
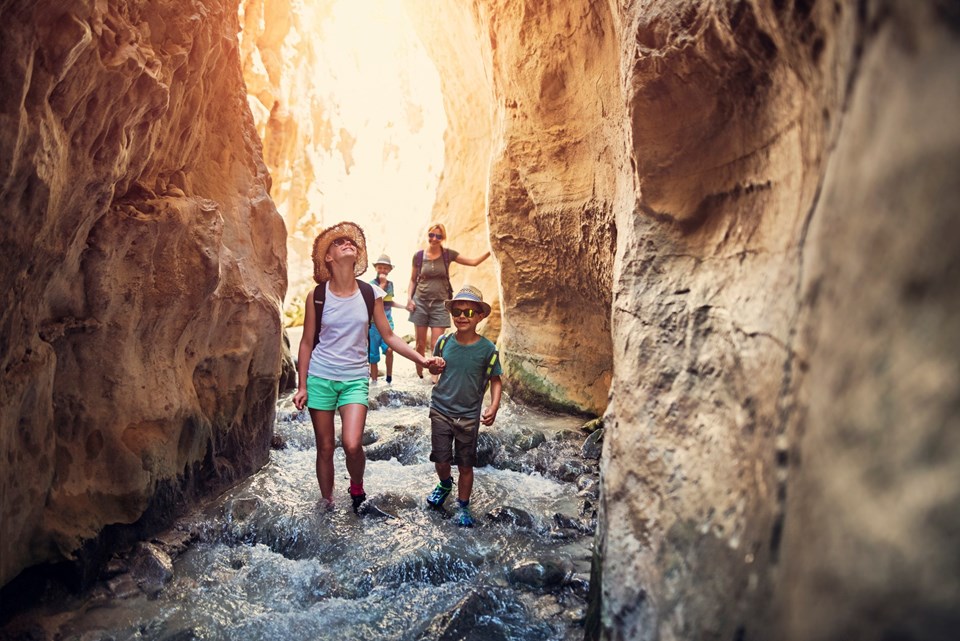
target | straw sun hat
x=321, y=272
x=470, y=294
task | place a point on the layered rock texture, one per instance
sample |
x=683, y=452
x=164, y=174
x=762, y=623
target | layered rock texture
x=754, y=200
x=143, y=266
x=727, y=225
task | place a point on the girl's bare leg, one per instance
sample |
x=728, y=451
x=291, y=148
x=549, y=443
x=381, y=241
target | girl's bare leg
x=323, y=431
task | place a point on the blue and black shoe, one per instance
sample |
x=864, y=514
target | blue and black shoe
x=464, y=517
x=439, y=494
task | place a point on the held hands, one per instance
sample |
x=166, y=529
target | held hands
x=300, y=398
x=435, y=364
x=489, y=415
x=410, y=306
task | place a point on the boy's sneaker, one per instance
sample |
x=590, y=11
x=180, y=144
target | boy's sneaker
x=464, y=518
x=440, y=493
x=389, y=379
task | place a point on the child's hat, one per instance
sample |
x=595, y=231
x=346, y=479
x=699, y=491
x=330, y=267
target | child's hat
x=470, y=294
x=383, y=260
x=321, y=273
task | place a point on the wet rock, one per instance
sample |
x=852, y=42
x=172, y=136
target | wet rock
x=468, y=620
x=578, y=525
x=398, y=398
x=176, y=540
x=277, y=443
x=124, y=586
x=513, y=516
x=487, y=448
x=405, y=448
x=151, y=567
x=370, y=437
x=540, y=574
x=241, y=509
x=527, y=439
x=593, y=446
x=569, y=470
x=588, y=486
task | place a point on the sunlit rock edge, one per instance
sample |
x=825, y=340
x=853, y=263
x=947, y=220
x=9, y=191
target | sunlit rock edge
x=144, y=269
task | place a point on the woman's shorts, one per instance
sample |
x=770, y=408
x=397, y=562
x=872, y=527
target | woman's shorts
x=324, y=394
x=453, y=439
x=430, y=314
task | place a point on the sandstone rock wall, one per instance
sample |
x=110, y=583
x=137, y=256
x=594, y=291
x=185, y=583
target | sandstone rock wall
x=738, y=193
x=143, y=265
x=532, y=101
x=780, y=310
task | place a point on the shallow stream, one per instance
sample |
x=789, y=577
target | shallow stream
x=266, y=561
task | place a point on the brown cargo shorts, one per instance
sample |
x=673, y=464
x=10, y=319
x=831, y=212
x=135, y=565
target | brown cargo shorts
x=453, y=440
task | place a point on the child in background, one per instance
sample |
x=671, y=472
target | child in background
x=467, y=362
x=384, y=266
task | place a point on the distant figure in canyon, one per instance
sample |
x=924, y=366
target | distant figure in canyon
x=468, y=362
x=430, y=287
x=332, y=364
x=384, y=266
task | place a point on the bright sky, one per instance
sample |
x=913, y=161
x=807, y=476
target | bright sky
x=366, y=99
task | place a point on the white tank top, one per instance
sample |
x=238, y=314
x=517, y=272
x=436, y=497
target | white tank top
x=341, y=354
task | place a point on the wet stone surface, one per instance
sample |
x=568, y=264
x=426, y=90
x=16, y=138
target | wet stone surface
x=268, y=561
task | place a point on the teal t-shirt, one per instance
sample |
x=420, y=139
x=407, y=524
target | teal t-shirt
x=459, y=390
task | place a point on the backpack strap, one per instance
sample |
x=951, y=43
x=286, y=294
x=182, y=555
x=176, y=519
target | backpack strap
x=440, y=344
x=418, y=265
x=366, y=290
x=320, y=297
x=490, y=365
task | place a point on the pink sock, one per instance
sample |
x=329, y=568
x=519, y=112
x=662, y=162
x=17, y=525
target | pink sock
x=356, y=490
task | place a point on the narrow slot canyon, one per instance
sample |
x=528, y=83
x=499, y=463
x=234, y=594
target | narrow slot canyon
x=725, y=229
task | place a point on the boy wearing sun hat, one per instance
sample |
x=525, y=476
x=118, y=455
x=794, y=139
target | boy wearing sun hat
x=384, y=266
x=468, y=362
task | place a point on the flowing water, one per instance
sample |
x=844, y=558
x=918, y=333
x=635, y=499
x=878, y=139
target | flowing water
x=267, y=561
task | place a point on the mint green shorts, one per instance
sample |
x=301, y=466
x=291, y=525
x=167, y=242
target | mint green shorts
x=324, y=394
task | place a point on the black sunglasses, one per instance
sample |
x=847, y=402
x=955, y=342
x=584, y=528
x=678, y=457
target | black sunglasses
x=469, y=313
x=435, y=236
x=340, y=242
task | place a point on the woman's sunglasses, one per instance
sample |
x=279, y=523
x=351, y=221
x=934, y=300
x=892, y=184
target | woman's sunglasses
x=435, y=236
x=340, y=242
x=457, y=313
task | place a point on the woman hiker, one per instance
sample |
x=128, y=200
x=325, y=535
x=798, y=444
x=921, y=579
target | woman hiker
x=332, y=364
x=430, y=286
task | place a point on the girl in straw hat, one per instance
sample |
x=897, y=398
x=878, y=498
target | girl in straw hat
x=332, y=363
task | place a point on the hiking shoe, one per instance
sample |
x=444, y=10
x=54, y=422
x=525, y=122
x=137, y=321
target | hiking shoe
x=357, y=500
x=440, y=493
x=464, y=518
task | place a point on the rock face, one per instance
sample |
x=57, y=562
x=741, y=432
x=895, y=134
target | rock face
x=143, y=267
x=760, y=192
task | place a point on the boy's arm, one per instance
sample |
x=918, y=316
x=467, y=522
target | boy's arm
x=490, y=414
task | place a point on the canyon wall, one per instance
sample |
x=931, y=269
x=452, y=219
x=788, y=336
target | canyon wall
x=781, y=458
x=753, y=200
x=143, y=266
x=532, y=110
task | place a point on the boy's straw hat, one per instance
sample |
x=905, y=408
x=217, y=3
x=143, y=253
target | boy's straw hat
x=470, y=294
x=321, y=272
x=383, y=260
